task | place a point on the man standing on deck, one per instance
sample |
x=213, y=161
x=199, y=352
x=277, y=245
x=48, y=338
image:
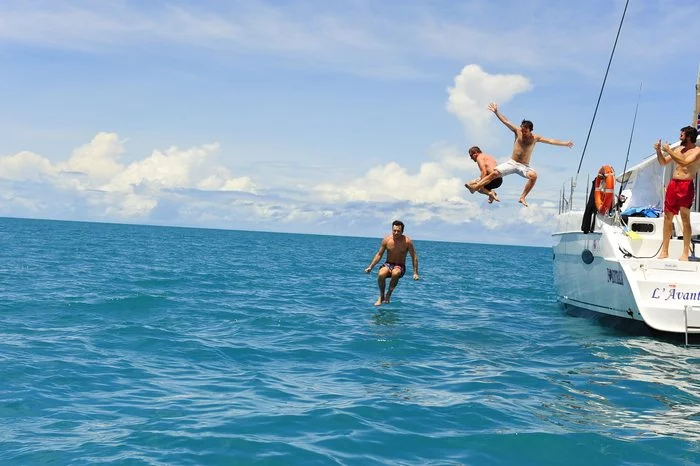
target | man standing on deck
x=524, y=144
x=397, y=246
x=681, y=190
x=487, y=164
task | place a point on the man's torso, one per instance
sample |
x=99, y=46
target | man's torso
x=687, y=172
x=522, y=148
x=487, y=162
x=396, y=250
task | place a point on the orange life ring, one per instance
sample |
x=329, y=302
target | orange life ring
x=604, y=189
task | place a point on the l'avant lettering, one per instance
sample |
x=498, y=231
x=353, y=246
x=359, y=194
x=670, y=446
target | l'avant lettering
x=674, y=294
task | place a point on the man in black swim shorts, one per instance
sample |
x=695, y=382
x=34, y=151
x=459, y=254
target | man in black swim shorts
x=486, y=165
x=397, y=247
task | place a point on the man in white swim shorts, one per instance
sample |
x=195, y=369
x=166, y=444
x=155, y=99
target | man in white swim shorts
x=525, y=141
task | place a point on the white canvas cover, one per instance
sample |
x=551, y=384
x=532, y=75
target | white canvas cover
x=644, y=185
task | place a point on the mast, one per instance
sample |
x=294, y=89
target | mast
x=696, y=115
x=696, y=122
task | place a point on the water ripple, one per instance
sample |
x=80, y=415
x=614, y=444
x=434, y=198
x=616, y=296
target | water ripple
x=144, y=345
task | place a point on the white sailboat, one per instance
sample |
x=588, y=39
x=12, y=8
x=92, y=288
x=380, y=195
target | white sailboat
x=613, y=269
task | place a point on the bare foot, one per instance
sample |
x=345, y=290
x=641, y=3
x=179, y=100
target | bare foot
x=469, y=187
x=522, y=201
x=493, y=197
x=683, y=258
x=662, y=255
x=379, y=302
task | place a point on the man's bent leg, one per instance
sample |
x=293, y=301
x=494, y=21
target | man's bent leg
x=668, y=228
x=531, y=180
x=491, y=194
x=381, y=283
x=471, y=183
x=395, y=275
x=484, y=181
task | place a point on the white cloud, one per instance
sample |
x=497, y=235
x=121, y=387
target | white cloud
x=474, y=89
x=99, y=159
x=25, y=166
x=391, y=182
x=223, y=180
x=93, y=176
x=127, y=205
x=173, y=168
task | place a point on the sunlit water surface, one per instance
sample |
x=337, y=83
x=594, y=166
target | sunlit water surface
x=149, y=345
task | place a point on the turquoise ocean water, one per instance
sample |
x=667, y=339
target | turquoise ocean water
x=163, y=346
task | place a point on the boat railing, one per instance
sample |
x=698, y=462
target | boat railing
x=566, y=199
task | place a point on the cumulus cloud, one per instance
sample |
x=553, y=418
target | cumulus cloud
x=391, y=182
x=189, y=187
x=94, y=177
x=473, y=89
x=98, y=160
x=26, y=166
x=223, y=180
x=173, y=168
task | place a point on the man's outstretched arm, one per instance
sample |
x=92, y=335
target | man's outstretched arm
x=556, y=142
x=494, y=108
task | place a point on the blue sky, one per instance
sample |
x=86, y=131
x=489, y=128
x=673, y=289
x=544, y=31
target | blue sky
x=326, y=117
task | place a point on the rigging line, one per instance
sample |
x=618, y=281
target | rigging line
x=634, y=121
x=601, y=88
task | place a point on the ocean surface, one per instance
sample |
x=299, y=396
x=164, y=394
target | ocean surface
x=171, y=346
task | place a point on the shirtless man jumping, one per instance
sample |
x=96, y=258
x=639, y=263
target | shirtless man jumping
x=524, y=144
x=486, y=164
x=680, y=191
x=397, y=246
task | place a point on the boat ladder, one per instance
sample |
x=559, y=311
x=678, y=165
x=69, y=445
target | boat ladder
x=691, y=315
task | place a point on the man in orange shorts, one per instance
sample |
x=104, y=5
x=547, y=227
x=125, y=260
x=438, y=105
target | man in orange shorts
x=681, y=190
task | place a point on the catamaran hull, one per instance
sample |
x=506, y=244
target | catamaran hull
x=599, y=286
x=609, y=273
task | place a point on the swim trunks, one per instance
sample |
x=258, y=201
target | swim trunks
x=511, y=166
x=391, y=266
x=680, y=193
x=494, y=184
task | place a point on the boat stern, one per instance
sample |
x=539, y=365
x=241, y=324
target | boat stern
x=667, y=293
